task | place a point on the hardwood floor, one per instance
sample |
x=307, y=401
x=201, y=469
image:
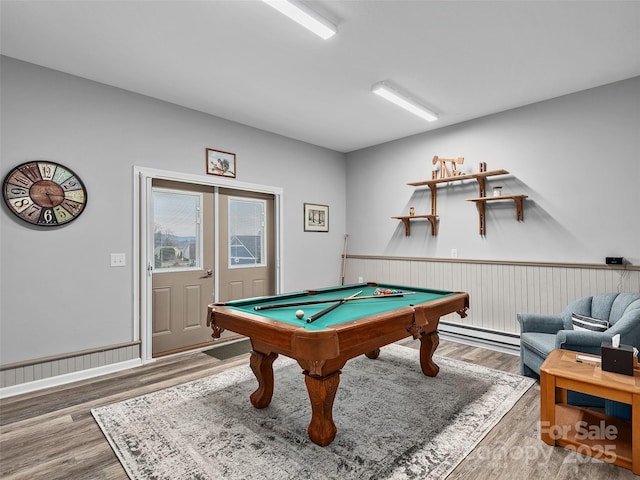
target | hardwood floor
x=52, y=435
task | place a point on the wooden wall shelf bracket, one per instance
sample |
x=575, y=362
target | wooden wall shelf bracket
x=481, y=202
x=406, y=219
x=434, y=196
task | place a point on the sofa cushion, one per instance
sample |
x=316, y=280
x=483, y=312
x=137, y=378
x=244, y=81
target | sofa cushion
x=601, y=305
x=623, y=303
x=540, y=343
x=582, y=322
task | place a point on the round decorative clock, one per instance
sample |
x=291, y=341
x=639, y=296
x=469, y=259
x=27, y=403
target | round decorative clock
x=44, y=193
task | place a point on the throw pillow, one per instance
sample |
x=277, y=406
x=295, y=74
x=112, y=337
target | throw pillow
x=582, y=322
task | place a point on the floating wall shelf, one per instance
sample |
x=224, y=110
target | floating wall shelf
x=406, y=219
x=480, y=201
x=433, y=183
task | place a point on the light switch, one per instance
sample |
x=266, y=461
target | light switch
x=118, y=259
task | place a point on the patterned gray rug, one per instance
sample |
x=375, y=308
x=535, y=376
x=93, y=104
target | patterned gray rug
x=393, y=423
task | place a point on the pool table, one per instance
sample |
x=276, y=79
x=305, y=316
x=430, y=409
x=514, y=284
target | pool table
x=323, y=346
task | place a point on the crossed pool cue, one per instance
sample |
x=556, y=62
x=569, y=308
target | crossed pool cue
x=315, y=316
x=337, y=302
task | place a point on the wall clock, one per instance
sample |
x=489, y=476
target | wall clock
x=44, y=193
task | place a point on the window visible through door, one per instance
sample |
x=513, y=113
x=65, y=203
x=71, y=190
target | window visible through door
x=247, y=233
x=177, y=230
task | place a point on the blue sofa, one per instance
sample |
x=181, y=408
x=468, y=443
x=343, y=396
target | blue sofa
x=539, y=334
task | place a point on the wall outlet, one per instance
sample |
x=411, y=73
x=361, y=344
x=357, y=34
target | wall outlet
x=360, y=279
x=118, y=259
x=454, y=253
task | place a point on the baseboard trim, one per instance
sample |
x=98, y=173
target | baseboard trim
x=480, y=337
x=58, y=380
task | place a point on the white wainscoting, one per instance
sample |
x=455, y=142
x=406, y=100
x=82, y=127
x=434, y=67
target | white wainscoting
x=497, y=290
x=22, y=377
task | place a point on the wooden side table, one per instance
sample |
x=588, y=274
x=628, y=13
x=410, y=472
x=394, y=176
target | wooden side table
x=589, y=432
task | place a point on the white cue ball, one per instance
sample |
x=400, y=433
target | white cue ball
x=300, y=313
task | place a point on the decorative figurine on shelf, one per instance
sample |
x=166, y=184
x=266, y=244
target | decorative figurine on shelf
x=412, y=211
x=443, y=168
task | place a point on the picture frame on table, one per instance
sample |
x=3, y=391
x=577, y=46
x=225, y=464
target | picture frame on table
x=221, y=163
x=316, y=218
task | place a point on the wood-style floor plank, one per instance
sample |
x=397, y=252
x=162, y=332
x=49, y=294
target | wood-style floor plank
x=52, y=435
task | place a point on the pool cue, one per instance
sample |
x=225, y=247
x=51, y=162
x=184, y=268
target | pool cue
x=315, y=316
x=313, y=302
x=344, y=257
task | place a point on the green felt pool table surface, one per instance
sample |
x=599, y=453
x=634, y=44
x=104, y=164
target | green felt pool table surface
x=349, y=311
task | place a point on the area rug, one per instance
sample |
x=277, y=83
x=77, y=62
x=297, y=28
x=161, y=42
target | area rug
x=393, y=423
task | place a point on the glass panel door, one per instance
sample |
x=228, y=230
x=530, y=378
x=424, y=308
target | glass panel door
x=183, y=265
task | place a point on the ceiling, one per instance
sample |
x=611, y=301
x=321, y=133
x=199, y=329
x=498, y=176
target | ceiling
x=243, y=61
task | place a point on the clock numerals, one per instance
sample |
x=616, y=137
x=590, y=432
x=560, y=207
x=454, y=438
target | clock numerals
x=19, y=179
x=61, y=175
x=71, y=184
x=75, y=196
x=73, y=207
x=47, y=217
x=31, y=171
x=20, y=204
x=46, y=170
x=62, y=214
x=32, y=213
x=13, y=191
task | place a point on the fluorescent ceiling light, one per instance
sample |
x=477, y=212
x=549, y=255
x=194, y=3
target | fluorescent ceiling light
x=304, y=16
x=393, y=94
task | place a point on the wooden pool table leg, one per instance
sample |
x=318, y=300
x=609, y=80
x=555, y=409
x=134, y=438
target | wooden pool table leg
x=429, y=341
x=322, y=392
x=373, y=354
x=262, y=366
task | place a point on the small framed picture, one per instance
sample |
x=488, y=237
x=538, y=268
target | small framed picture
x=316, y=218
x=221, y=163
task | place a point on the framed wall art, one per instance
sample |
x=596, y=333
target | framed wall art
x=221, y=163
x=316, y=218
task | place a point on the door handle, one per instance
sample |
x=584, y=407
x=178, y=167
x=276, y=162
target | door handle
x=209, y=273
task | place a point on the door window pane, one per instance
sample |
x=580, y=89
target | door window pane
x=176, y=230
x=247, y=233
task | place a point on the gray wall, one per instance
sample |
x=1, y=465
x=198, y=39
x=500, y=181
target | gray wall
x=576, y=157
x=58, y=292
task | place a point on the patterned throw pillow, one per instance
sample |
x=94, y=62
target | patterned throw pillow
x=582, y=322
